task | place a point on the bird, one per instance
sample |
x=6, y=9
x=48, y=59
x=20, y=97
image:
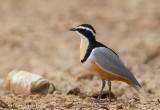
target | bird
x=102, y=61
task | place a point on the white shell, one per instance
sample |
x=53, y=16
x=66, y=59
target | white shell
x=22, y=82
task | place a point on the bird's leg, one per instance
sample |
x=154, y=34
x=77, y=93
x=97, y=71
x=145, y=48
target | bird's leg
x=103, y=85
x=109, y=85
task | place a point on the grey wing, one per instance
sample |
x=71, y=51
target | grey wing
x=109, y=61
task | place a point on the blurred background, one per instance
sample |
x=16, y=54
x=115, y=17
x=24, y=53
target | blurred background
x=35, y=37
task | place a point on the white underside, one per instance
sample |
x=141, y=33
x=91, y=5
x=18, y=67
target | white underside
x=87, y=63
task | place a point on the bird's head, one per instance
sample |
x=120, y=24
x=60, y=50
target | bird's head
x=85, y=30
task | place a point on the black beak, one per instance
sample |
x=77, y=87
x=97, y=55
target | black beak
x=72, y=29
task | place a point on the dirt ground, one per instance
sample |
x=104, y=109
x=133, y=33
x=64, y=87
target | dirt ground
x=34, y=37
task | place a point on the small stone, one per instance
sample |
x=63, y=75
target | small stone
x=119, y=107
x=75, y=91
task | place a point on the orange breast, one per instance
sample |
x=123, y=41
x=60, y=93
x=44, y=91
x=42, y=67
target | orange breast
x=83, y=47
x=106, y=75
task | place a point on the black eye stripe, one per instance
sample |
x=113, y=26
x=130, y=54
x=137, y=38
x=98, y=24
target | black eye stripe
x=85, y=32
x=87, y=26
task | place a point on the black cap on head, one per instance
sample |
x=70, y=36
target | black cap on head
x=88, y=26
x=85, y=30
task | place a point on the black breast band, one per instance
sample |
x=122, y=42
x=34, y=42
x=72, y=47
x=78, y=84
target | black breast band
x=90, y=48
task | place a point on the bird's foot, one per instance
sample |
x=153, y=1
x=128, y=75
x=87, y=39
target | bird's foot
x=109, y=100
x=98, y=100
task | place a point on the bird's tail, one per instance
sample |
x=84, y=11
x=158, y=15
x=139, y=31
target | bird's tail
x=135, y=87
x=135, y=84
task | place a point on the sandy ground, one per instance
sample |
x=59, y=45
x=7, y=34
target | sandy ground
x=34, y=37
